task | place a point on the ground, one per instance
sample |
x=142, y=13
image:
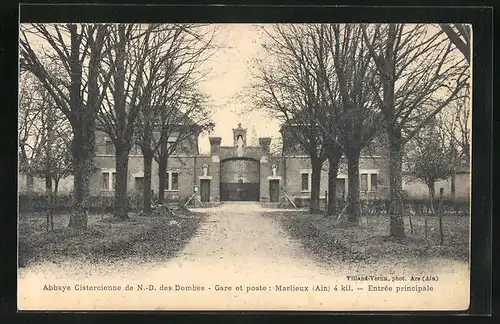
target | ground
x=330, y=240
x=243, y=245
x=105, y=240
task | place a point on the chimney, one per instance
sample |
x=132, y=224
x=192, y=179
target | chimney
x=214, y=145
x=265, y=142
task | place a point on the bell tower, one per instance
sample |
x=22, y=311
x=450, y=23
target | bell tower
x=240, y=136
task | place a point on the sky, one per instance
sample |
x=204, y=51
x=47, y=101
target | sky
x=230, y=76
x=228, y=81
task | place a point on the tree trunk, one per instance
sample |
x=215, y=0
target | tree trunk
x=54, y=200
x=56, y=186
x=121, y=198
x=83, y=122
x=148, y=163
x=432, y=194
x=29, y=181
x=48, y=192
x=353, y=202
x=315, y=186
x=333, y=169
x=453, y=191
x=83, y=164
x=162, y=178
x=397, y=228
x=440, y=213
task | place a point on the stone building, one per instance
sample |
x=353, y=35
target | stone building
x=239, y=172
x=242, y=172
x=295, y=169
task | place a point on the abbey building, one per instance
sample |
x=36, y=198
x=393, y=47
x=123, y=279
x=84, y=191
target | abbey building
x=239, y=172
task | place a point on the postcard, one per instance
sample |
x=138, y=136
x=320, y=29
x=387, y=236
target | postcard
x=187, y=166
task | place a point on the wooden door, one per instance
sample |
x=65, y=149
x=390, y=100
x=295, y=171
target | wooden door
x=205, y=190
x=340, y=188
x=274, y=190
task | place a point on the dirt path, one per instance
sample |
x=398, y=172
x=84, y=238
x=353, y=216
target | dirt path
x=238, y=239
x=236, y=261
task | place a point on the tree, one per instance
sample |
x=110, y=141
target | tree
x=454, y=123
x=45, y=138
x=430, y=161
x=420, y=75
x=290, y=88
x=180, y=125
x=173, y=99
x=52, y=158
x=357, y=116
x=137, y=56
x=28, y=112
x=460, y=36
x=78, y=50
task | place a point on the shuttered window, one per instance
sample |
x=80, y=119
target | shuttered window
x=305, y=181
x=364, y=182
x=374, y=181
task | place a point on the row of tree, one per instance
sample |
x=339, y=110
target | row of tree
x=339, y=86
x=138, y=83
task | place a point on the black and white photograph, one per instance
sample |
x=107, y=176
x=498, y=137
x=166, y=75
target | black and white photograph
x=244, y=166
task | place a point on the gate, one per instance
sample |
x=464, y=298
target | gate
x=240, y=179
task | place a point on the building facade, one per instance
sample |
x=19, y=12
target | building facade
x=242, y=172
x=239, y=172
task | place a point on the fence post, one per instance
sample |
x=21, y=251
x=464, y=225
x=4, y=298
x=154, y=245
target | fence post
x=48, y=211
x=425, y=220
x=440, y=212
x=326, y=201
x=48, y=193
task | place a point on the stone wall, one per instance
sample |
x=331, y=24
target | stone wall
x=415, y=189
x=232, y=169
x=189, y=165
x=184, y=165
x=65, y=185
x=293, y=166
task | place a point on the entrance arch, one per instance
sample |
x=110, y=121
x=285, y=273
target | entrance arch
x=239, y=179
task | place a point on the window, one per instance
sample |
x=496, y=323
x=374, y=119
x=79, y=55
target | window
x=139, y=184
x=175, y=181
x=172, y=181
x=364, y=182
x=373, y=181
x=105, y=181
x=110, y=147
x=108, y=180
x=305, y=181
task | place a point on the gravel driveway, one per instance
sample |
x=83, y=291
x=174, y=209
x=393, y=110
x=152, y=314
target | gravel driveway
x=235, y=261
x=239, y=235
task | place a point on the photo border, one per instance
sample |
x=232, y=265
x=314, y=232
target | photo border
x=480, y=17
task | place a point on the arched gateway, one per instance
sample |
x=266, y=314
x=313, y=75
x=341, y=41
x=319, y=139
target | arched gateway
x=239, y=179
x=239, y=172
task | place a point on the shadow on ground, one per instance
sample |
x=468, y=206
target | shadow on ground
x=330, y=241
x=105, y=239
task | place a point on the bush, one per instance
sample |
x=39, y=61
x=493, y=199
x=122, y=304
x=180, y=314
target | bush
x=38, y=202
x=381, y=206
x=61, y=203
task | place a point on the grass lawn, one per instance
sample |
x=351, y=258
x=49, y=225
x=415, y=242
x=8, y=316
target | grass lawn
x=330, y=240
x=105, y=239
